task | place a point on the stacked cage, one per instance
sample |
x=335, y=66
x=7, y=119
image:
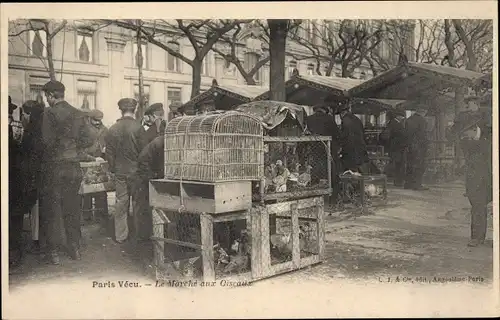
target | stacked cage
x=214, y=148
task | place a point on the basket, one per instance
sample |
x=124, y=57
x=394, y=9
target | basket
x=95, y=178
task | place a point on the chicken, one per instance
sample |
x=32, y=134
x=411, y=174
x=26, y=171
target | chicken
x=281, y=244
x=240, y=261
x=270, y=174
x=282, y=176
x=305, y=178
x=294, y=176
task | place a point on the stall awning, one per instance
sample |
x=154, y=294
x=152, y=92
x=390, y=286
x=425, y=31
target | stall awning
x=312, y=90
x=413, y=81
x=375, y=106
x=226, y=96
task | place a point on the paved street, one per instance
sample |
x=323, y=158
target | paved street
x=418, y=234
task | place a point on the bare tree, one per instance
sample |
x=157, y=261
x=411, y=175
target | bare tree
x=51, y=28
x=278, y=33
x=344, y=43
x=202, y=35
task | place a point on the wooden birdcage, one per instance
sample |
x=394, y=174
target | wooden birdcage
x=215, y=147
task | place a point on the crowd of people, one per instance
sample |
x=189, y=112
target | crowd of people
x=45, y=157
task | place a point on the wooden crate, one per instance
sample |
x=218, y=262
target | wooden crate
x=257, y=224
x=206, y=197
x=95, y=178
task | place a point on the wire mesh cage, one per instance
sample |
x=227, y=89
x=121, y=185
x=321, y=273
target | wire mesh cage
x=362, y=191
x=295, y=167
x=214, y=147
x=195, y=246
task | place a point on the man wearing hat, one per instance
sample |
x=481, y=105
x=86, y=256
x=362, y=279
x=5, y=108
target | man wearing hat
x=354, y=153
x=394, y=138
x=64, y=136
x=473, y=129
x=321, y=123
x=124, y=142
x=156, y=115
x=97, y=149
x=177, y=109
x=417, y=149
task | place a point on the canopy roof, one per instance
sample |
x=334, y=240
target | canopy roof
x=413, y=81
x=375, y=106
x=312, y=90
x=225, y=96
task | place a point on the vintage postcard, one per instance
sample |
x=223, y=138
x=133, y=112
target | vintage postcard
x=250, y=160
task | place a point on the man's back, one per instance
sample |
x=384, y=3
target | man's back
x=64, y=132
x=415, y=129
x=151, y=159
x=324, y=125
x=124, y=142
x=397, y=135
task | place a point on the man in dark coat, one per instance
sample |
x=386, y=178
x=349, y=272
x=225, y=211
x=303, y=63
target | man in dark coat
x=64, y=136
x=354, y=153
x=396, y=144
x=156, y=114
x=417, y=149
x=16, y=201
x=474, y=131
x=98, y=132
x=323, y=124
x=124, y=142
x=150, y=166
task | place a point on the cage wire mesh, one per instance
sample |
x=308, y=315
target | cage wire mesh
x=231, y=247
x=295, y=167
x=214, y=148
x=281, y=234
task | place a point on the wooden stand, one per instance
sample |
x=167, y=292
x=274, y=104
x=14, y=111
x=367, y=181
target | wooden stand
x=257, y=219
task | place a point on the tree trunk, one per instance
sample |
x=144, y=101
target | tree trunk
x=196, y=78
x=50, y=58
x=140, y=106
x=277, y=48
x=250, y=80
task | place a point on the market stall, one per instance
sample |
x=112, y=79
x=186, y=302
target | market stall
x=215, y=214
x=223, y=96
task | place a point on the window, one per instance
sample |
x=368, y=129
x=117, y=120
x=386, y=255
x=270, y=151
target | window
x=291, y=66
x=144, y=55
x=310, y=69
x=173, y=63
x=38, y=43
x=84, y=47
x=145, y=94
x=205, y=66
x=87, y=95
x=35, y=89
x=174, y=95
x=251, y=59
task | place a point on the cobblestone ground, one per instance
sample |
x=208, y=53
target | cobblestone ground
x=418, y=235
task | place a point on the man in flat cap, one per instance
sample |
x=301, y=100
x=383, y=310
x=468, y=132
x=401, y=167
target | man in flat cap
x=65, y=135
x=418, y=144
x=394, y=139
x=473, y=129
x=97, y=149
x=321, y=123
x=354, y=153
x=124, y=142
x=156, y=115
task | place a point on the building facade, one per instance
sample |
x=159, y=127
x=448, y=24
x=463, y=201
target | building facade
x=99, y=68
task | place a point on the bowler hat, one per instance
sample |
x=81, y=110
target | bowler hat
x=155, y=107
x=127, y=104
x=53, y=86
x=96, y=114
x=32, y=107
x=321, y=107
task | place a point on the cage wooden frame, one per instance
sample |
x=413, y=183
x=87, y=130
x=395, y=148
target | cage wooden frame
x=258, y=223
x=214, y=147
